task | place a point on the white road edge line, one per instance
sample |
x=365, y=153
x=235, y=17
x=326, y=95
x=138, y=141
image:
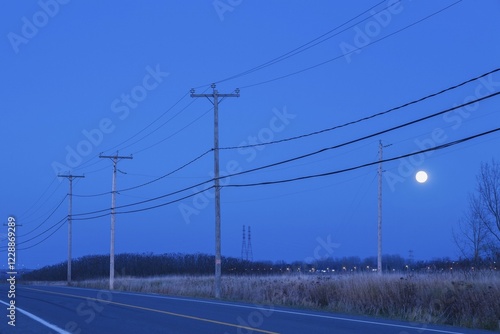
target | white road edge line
x=272, y=309
x=40, y=320
x=422, y=328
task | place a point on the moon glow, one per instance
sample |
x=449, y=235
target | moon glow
x=421, y=176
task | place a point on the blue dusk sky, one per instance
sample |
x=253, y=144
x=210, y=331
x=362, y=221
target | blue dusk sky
x=85, y=78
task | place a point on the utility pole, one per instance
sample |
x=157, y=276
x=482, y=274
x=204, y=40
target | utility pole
x=70, y=213
x=215, y=96
x=379, y=229
x=115, y=159
x=379, y=233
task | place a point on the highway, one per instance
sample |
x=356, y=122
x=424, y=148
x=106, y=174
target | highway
x=59, y=309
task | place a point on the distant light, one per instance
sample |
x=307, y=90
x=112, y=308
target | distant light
x=421, y=176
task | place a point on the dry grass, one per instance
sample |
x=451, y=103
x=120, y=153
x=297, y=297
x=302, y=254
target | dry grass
x=459, y=300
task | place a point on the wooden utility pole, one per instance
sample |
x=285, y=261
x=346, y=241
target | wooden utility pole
x=70, y=213
x=115, y=159
x=215, y=96
x=379, y=228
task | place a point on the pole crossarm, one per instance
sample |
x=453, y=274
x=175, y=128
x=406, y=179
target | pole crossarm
x=115, y=157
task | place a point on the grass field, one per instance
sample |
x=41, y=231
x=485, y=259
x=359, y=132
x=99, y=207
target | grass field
x=467, y=300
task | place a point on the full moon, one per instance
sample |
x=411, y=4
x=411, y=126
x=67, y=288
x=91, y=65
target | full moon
x=421, y=176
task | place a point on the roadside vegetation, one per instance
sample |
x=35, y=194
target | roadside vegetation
x=433, y=292
x=466, y=300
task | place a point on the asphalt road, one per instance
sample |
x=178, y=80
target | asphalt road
x=43, y=309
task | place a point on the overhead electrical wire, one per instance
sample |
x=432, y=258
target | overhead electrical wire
x=274, y=60
x=44, y=239
x=152, y=181
x=39, y=198
x=364, y=118
x=345, y=170
x=85, y=164
x=362, y=138
x=456, y=142
x=350, y=52
x=42, y=203
x=282, y=162
x=305, y=135
x=46, y=219
x=145, y=201
x=159, y=127
x=175, y=133
x=153, y=122
x=302, y=156
x=308, y=45
x=164, y=204
x=438, y=147
x=286, y=55
x=148, y=208
x=170, y=173
x=38, y=235
x=300, y=178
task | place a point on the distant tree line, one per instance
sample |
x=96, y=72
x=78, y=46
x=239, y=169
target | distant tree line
x=148, y=264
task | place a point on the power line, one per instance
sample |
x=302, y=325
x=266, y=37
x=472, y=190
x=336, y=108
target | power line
x=297, y=137
x=362, y=138
x=286, y=55
x=38, y=235
x=167, y=203
x=41, y=205
x=151, y=207
x=57, y=229
x=159, y=127
x=150, y=124
x=315, y=132
x=304, y=155
x=439, y=147
x=173, y=134
x=152, y=181
x=39, y=198
x=84, y=165
x=150, y=133
x=46, y=219
x=280, y=58
x=170, y=173
x=308, y=45
x=368, y=117
x=93, y=217
x=144, y=201
x=351, y=52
